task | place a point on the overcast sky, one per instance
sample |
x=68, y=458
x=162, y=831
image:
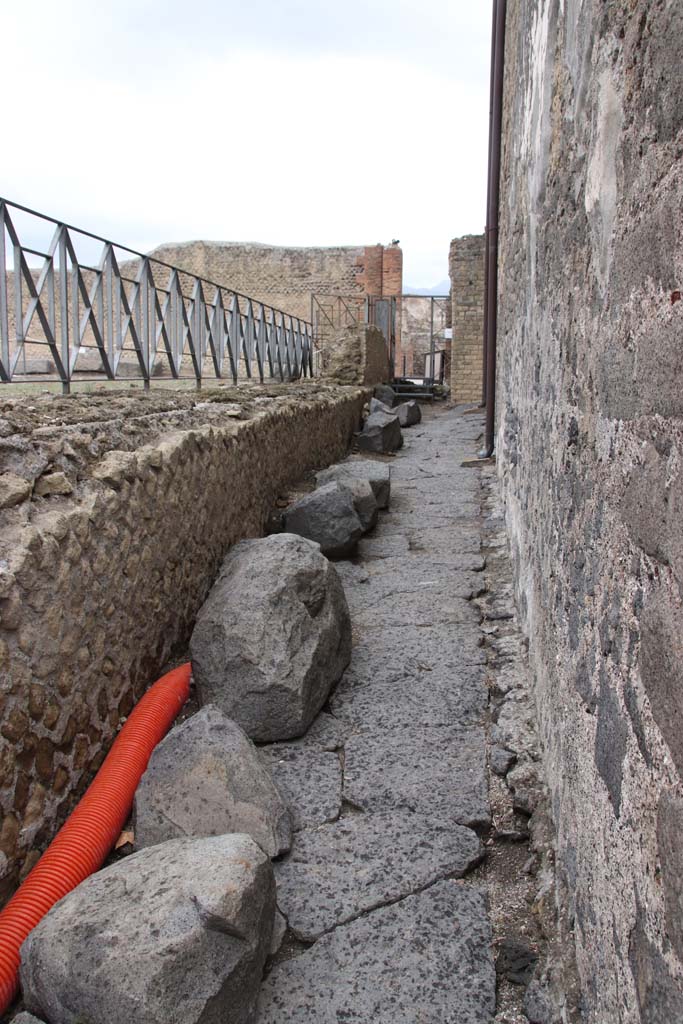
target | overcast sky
x=299, y=122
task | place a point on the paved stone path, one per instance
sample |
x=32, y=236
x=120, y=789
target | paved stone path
x=389, y=787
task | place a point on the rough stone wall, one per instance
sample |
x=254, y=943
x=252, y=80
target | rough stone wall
x=590, y=453
x=466, y=270
x=360, y=356
x=116, y=512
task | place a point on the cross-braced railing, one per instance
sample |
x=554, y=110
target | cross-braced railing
x=70, y=318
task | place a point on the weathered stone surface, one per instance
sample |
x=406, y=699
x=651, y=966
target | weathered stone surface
x=669, y=828
x=428, y=954
x=26, y=1018
x=596, y=530
x=419, y=697
x=501, y=760
x=439, y=772
x=13, y=489
x=364, y=861
x=175, y=934
x=377, y=473
x=385, y=394
x=279, y=931
x=308, y=779
x=381, y=433
x=516, y=960
x=205, y=779
x=377, y=406
x=273, y=637
x=409, y=413
x=53, y=483
x=364, y=502
x=385, y=546
x=328, y=517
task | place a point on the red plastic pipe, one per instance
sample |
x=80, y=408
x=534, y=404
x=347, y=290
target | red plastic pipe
x=89, y=833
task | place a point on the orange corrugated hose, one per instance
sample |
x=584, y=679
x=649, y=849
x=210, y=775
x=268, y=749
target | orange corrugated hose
x=82, y=844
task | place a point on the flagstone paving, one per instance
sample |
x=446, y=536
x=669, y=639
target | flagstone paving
x=396, y=934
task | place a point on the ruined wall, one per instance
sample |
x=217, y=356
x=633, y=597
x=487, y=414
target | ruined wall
x=466, y=270
x=416, y=320
x=115, y=514
x=287, y=277
x=590, y=454
x=361, y=356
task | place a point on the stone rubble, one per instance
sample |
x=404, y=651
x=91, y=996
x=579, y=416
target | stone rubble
x=378, y=475
x=205, y=779
x=385, y=394
x=273, y=636
x=176, y=934
x=381, y=433
x=409, y=413
x=327, y=516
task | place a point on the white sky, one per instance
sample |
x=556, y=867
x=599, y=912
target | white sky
x=301, y=122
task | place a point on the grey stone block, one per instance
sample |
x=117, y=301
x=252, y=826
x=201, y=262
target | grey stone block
x=409, y=413
x=378, y=474
x=381, y=433
x=385, y=394
x=206, y=779
x=328, y=517
x=501, y=760
x=377, y=406
x=178, y=934
x=429, y=954
x=273, y=637
x=364, y=861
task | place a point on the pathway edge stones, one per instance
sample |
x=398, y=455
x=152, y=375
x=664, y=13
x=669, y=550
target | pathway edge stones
x=175, y=934
x=273, y=637
x=205, y=778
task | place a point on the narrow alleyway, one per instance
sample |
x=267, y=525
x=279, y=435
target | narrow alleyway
x=386, y=896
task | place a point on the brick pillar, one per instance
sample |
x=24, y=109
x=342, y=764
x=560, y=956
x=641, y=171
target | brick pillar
x=392, y=286
x=466, y=268
x=370, y=279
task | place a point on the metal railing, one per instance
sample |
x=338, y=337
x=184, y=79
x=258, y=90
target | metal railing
x=146, y=317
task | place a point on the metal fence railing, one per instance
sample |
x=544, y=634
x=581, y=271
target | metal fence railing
x=119, y=313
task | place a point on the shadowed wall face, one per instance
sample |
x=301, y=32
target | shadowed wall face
x=590, y=453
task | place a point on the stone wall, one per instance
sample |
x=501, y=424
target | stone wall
x=360, y=356
x=288, y=277
x=590, y=454
x=466, y=269
x=116, y=511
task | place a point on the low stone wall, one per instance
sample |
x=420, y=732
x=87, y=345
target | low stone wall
x=116, y=515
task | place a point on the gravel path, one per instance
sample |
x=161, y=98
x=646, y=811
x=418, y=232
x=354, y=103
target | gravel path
x=381, y=926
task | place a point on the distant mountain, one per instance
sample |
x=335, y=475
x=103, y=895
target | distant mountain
x=442, y=288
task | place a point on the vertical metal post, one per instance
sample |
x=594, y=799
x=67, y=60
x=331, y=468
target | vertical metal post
x=492, y=234
x=4, y=316
x=64, y=310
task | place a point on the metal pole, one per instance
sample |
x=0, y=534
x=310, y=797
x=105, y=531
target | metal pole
x=492, y=233
x=488, y=202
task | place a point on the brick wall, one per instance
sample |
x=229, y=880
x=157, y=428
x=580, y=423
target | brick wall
x=466, y=269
